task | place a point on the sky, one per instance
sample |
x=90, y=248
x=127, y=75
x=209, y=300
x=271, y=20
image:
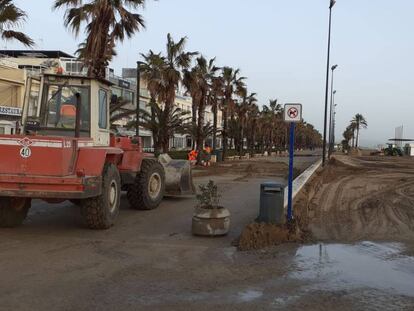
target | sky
x=281, y=47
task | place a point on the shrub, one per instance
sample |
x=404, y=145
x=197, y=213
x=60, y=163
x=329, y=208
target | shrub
x=209, y=196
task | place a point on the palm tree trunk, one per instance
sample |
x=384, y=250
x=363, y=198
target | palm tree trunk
x=214, y=108
x=194, y=120
x=241, y=143
x=224, y=136
x=155, y=138
x=201, y=109
x=353, y=138
x=169, y=104
x=357, y=137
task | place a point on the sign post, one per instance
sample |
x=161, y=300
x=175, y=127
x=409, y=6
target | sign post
x=292, y=115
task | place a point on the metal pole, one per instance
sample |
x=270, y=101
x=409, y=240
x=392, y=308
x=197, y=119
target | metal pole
x=138, y=95
x=332, y=3
x=334, y=119
x=290, y=182
x=331, y=115
x=78, y=115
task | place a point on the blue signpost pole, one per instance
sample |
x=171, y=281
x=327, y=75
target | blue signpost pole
x=290, y=185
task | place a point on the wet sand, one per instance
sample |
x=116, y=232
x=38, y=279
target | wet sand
x=364, y=198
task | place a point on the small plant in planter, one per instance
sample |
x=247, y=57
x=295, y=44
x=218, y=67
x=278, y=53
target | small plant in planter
x=209, y=196
x=210, y=219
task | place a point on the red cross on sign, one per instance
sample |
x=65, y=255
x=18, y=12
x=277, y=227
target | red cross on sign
x=293, y=112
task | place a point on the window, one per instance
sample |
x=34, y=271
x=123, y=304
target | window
x=74, y=67
x=179, y=142
x=103, y=109
x=33, y=98
x=189, y=142
x=117, y=91
x=61, y=107
x=128, y=97
x=9, y=95
x=2, y=130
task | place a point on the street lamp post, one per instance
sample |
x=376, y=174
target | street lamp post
x=332, y=3
x=331, y=112
x=332, y=143
x=138, y=95
x=334, y=122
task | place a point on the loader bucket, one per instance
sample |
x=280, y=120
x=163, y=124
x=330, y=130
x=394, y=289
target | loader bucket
x=178, y=178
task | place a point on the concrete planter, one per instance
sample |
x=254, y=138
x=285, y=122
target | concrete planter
x=211, y=222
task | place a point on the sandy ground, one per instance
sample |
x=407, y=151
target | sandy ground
x=363, y=198
x=150, y=261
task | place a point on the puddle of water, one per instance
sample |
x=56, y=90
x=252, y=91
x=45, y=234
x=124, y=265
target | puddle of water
x=364, y=265
x=249, y=295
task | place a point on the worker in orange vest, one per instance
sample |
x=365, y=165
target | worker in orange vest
x=207, y=155
x=192, y=156
x=207, y=149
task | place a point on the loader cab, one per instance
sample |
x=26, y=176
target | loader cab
x=51, y=107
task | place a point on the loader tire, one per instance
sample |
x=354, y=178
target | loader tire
x=101, y=212
x=13, y=211
x=148, y=190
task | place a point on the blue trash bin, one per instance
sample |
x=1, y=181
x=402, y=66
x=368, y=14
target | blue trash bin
x=219, y=155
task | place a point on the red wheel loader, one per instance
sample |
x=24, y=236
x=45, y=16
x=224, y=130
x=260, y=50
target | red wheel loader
x=66, y=151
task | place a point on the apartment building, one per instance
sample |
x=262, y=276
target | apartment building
x=12, y=82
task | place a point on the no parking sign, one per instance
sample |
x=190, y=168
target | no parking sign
x=293, y=113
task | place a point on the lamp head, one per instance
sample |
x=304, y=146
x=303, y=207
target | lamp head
x=332, y=4
x=334, y=67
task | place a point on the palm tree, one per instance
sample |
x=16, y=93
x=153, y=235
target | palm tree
x=10, y=17
x=152, y=70
x=348, y=135
x=198, y=82
x=253, y=118
x=117, y=111
x=265, y=128
x=352, y=128
x=242, y=110
x=206, y=71
x=177, y=60
x=107, y=22
x=216, y=97
x=276, y=121
x=306, y=136
x=232, y=84
x=191, y=83
x=161, y=125
x=205, y=132
x=360, y=123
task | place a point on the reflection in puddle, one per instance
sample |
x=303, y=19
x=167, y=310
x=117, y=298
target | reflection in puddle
x=364, y=265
